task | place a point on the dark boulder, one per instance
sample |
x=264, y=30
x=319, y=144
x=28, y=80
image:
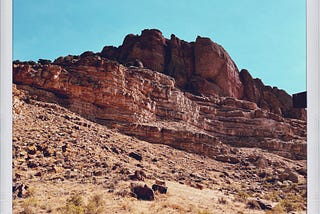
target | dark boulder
x=142, y=191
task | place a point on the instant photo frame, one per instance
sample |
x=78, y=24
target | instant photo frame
x=313, y=106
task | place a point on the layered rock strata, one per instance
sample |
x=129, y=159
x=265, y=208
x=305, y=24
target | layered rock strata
x=147, y=104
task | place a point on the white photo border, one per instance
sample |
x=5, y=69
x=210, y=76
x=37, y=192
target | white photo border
x=313, y=89
x=6, y=106
x=313, y=104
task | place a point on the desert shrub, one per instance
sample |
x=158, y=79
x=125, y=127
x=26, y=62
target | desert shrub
x=71, y=208
x=95, y=205
x=242, y=196
x=289, y=206
x=204, y=212
x=76, y=200
x=74, y=205
x=30, y=192
x=291, y=202
x=272, y=196
x=29, y=205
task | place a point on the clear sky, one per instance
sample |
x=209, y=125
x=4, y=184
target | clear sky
x=267, y=37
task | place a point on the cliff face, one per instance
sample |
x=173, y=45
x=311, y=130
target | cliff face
x=270, y=99
x=201, y=67
x=191, y=64
x=147, y=104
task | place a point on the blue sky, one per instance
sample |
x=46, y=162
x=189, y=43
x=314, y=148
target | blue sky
x=267, y=37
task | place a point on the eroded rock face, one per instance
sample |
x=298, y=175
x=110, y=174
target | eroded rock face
x=184, y=61
x=214, y=64
x=201, y=67
x=181, y=61
x=271, y=99
x=147, y=104
x=149, y=48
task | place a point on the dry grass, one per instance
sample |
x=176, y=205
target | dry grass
x=242, y=196
x=204, y=212
x=95, y=205
x=75, y=198
x=29, y=205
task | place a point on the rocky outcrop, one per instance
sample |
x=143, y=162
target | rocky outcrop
x=146, y=104
x=189, y=63
x=201, y=67
x=213, y=64
x=142, y=191
x=270, y=99
x=150, y=48
x=181, y=61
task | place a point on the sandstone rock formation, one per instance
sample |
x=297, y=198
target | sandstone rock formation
x=271, y=99
x=146, y=104
x=201, y=67
x=214, y=64
x=189, y=63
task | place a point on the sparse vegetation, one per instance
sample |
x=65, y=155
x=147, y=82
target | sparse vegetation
x=95, y=205
x=272, y=196
x=176, y=207
x=29, y=205
x=76, y=205
x=292, y=202
x=30, y=192
x=242, y=196
x=204, y=212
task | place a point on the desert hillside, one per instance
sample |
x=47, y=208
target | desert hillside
x=90, y=130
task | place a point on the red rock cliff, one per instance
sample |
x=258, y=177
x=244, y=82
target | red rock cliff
x=147, y=104
x=201, y=67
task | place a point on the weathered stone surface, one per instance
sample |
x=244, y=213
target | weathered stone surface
x=161, y=189
x=302, y=171
x=160, y=182
x=146, y=104
x=142, y=191
x=290, y=175
x=181, y=64
x=190, y=64
x=138, y=175
x=201, y=67
x=135, y=155
x=259, y=204
x=261, y=162
x=160, y=186
x=149, y=48
x=214, y=64
x=273, y=100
